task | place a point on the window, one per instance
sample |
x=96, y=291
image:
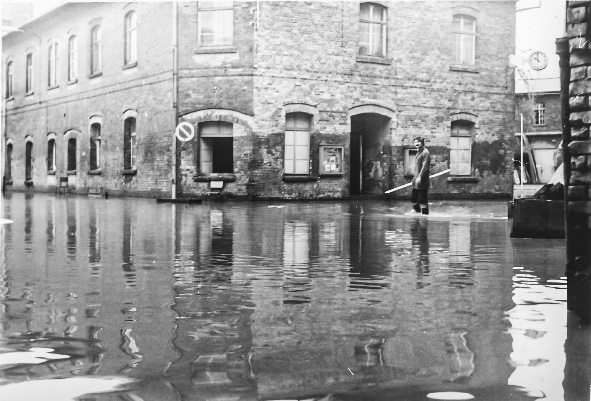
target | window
x=29, y=74
x=51, y=152
x=372, y=30
x=460, y=152
x=52, y=63
x=464, y=44
x=410, y=155
x=129, y=144
x=95, y=50
x=540, y=114
x=130, y=38
x=28, y=160
x=215, y=22
x=297, y=143
x=71, y=154
x=72, y=58
x=9, y=79
x=217, y=147
x=95, y=146
x=8, y=161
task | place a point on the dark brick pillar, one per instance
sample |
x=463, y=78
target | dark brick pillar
x=575, y=56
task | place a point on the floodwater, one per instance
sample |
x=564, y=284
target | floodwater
x=129, y=299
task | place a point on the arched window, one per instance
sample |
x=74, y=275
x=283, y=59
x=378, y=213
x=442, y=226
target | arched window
x=460, y=149
x=217, y=147
x=95, y=50
x=9, y=79
x=130, y=38
x=464, y=44
x=52, y=63
x=372, y=30
x=8, y=161
x=129, y=144
x=28, y=160
x=71, y=155
x=29, y=73
x=72, y=58
x=95, y=146
x=297, y=143
x=51, y=153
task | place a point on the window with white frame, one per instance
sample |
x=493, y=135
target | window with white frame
x=72, y=58
x=540, y=114
x=129, y=144
x=52, y=63
x=217, y=147
x=130, y=38
x=29, y=73
x=460, y=148
x=95, y=49
x=9, y=79
x=215, y=23
x=95, y=146
x=464, y=39
x=372, y=30
x=51, y=153
x=297, y=143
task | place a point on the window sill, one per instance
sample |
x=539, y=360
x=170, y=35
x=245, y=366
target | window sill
x=130, y=65
x=72, y=81
x=461, y=179
x=299, y=178
x=131, y=171
x=464, y=68
x=52, y=87
x=8, y=182
x=539, y=125
x=9, y=98
x=29, y=182
x=97, y=171
x=226, y=177
x=51, y=172
x=330, y=175
x=29, y=94
x=216, y=50
x=95, y=74
x=374, y=60
x=71, y=172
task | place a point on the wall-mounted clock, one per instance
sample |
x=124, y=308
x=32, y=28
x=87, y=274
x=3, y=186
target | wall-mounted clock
x=538, y=60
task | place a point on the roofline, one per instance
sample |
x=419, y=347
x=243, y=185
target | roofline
x=20, y=29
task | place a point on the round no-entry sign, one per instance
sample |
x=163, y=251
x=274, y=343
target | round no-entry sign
x=184, y=132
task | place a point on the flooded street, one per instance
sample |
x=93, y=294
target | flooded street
x=129, y=299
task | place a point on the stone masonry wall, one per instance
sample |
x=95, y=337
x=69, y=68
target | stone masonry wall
x=145, y=89
x=307, y=53
x=577, y=157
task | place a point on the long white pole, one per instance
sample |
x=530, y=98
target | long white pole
x=522, y=161
x=410, y=183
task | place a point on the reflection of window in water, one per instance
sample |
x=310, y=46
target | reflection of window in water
x=222, y=233
x=127, y=257
x=50, y=227
x=94, y=247
x=296, y=248
x=71, y=231
x=459, y=253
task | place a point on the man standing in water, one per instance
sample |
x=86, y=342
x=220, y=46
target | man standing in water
x=420, y=181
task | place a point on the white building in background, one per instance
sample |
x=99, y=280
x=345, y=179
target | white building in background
x=537, y=83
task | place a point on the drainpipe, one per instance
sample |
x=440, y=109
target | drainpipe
x=175, y=95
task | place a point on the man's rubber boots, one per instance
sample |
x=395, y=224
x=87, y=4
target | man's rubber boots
x=424, y=210
x=416, y=207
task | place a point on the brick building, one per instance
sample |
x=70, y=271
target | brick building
x=292, y=100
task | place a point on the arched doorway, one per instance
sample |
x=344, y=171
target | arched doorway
x=370, y=150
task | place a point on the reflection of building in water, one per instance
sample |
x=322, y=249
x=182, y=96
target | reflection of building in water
x=94, y=239
x=212, y=333
x=296, y=259
x=420, y=241
x=127, y=250
x=460, y=263
x=71, y=232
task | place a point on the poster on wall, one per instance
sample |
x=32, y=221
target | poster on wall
x=331, y=160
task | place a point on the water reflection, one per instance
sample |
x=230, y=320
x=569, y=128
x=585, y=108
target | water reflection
x=262, y=301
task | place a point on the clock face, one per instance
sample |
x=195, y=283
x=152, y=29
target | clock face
x=538, y=61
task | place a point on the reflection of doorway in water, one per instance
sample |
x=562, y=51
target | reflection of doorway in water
x=368, y=136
